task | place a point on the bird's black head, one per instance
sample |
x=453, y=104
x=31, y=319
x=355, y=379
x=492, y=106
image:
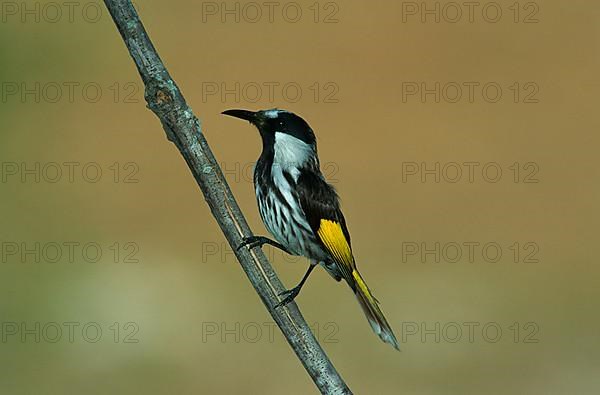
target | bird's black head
x=270, y=122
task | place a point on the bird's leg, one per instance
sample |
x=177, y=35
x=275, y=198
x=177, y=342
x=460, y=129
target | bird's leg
x=258, y=241
x=290, y=294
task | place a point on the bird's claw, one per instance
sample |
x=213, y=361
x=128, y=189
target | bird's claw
x=259, y=241
x=251, y=242
x=286, y=292
x=290, y=295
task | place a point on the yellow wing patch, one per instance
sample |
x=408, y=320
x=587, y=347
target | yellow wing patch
x=332, y=236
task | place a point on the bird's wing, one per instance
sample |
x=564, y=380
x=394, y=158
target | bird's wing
x=321, y=207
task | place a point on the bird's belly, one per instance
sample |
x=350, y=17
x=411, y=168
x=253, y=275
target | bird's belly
x=289, y=231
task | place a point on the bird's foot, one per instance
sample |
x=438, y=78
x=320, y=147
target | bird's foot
x=252, y=241
x=259, y=241
x=290, y=295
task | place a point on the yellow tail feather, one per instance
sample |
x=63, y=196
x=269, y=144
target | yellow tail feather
x=371, y=309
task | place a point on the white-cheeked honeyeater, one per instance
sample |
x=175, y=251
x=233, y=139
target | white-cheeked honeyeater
x=301, y=210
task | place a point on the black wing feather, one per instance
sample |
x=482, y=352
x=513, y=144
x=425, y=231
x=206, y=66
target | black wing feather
x=319, y=200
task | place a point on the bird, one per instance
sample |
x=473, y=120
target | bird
x=302, y=210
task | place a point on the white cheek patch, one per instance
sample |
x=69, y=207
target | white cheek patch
x=271, y=113
x=290, y=151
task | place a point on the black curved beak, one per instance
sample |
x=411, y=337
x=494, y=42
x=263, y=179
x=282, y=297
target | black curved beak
x=249, y=116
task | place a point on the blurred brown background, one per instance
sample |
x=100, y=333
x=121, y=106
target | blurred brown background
x=132, y=261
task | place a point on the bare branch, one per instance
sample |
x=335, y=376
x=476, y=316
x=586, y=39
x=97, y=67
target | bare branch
x=182, y=127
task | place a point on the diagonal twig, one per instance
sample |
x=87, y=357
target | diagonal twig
x=183, y=129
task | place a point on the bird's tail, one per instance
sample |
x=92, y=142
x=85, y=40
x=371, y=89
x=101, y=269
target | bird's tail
x=370, y=306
